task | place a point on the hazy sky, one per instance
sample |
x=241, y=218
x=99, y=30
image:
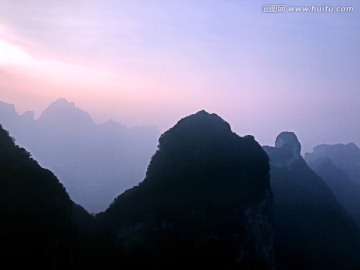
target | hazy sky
x=156, y=61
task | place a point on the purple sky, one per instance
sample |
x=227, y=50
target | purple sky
x=156, y=61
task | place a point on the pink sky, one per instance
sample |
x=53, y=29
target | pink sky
x=153, y=63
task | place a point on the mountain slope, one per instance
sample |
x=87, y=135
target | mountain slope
x=40, y=226
x=205, y=202
x=312, y=231
x=35, y=211
x=346, y=192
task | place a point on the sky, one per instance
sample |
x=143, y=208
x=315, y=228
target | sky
x=152, y=62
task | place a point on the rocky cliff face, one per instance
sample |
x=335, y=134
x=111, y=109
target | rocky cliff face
x=205, y=202
x=312, y=230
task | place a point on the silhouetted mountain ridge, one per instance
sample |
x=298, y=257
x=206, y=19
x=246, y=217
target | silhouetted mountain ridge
x=206, y=201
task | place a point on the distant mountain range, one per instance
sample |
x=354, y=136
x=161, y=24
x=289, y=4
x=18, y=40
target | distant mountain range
x=339, y=166
x=95, y=162
x=344, y=156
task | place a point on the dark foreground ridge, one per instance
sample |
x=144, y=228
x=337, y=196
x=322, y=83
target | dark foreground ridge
x=35, y=212
x=205, y=202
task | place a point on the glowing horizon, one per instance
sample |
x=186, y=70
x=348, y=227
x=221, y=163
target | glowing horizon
x=141, y=63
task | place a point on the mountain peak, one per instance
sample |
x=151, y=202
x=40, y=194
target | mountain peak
x=63, y=101
x=286, y=151
x=6, y=108
x=196, y=126
x=65, y=113
x=205, y=187
x=205, y=144
x=288, y=140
